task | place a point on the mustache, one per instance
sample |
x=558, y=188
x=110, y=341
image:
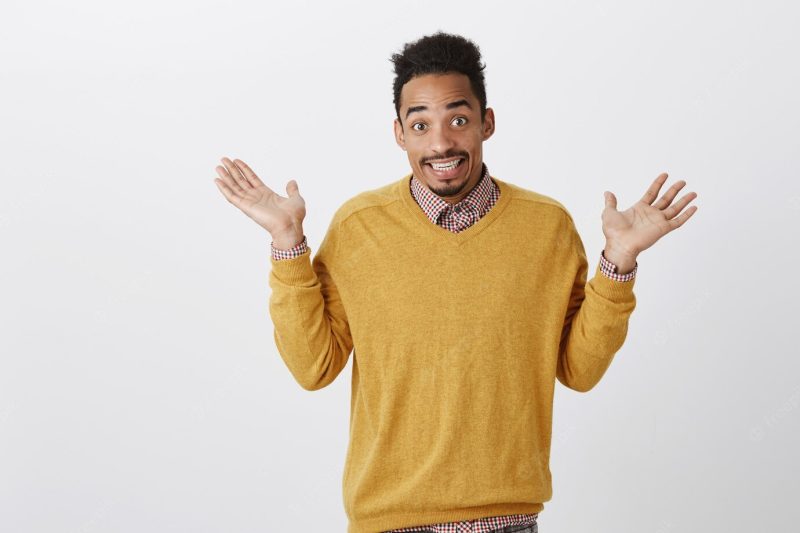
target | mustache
x=448, y=155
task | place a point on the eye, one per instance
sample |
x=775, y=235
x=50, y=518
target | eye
x=414, y=126
x=464, y=120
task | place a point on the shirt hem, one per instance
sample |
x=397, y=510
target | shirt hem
x=402, y=520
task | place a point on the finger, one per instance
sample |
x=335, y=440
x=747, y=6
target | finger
x=665, y=200
x=292, y=189
x=229, y=181
x=611, y=200
x=249, y=174
x=227, y=192
x=652, y=193
x=679, y=221
x=236, y=173
x=673, y=210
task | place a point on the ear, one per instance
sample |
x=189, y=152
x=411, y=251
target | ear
x=488, y=123
x=399, y=136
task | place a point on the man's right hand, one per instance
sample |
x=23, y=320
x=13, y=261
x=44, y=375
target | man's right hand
x=281, y=216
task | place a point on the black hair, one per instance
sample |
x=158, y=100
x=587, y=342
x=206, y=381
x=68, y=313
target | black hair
x=438, y=54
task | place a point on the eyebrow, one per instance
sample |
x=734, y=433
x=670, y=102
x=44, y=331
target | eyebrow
x=451, y=105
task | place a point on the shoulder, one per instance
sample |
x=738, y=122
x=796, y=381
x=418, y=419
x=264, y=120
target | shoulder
x=364, y=201
x=537, y=200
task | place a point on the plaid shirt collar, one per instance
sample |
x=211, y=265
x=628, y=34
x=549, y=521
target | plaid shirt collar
x=433, y=205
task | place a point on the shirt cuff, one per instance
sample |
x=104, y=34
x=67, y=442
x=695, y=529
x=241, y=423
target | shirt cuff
x=294, y=251
x=609, y=269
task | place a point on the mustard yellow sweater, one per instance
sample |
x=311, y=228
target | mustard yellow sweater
x=457, y=341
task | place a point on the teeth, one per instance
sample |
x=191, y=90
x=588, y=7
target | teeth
x=446, y=166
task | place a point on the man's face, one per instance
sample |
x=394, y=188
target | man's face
x=440, y=123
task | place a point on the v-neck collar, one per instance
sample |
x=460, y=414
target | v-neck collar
x=440, y=234
x=480, y=199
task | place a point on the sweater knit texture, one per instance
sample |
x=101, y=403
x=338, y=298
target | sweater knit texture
x=451, y=400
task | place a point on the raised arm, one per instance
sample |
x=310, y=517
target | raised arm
x=596, y=321
x=310, y=326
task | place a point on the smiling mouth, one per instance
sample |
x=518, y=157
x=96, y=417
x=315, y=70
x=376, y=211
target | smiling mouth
x=446, y=169
x=446, y=165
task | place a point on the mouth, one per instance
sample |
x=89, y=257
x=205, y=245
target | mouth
x=447, y=168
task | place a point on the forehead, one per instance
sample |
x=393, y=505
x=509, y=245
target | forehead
x=436, y=90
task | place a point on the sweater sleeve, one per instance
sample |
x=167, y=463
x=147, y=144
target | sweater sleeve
x=596, y=322
x=311, y=330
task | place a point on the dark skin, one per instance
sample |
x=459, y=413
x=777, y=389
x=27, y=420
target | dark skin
x=440, y=119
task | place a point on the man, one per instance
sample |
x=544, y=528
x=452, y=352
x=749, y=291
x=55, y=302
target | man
x=465, y=298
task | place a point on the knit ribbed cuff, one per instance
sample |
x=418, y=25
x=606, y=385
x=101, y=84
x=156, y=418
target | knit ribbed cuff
x=295, y=271
x=613, y=290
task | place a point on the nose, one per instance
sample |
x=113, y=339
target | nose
x=441, y=140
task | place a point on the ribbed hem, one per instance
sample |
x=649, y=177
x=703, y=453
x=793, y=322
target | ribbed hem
x=295, y=271
x=398, y=521
x=617, y=291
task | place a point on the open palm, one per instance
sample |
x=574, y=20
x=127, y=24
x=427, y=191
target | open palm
x=640, y=226
x=275, y=213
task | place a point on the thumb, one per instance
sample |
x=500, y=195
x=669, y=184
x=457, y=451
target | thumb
x=611, y=200
x=291, y=188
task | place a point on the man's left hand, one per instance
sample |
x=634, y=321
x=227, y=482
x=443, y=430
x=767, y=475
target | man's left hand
x=636, y=229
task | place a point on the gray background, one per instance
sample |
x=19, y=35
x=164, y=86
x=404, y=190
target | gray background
x=140, y=388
